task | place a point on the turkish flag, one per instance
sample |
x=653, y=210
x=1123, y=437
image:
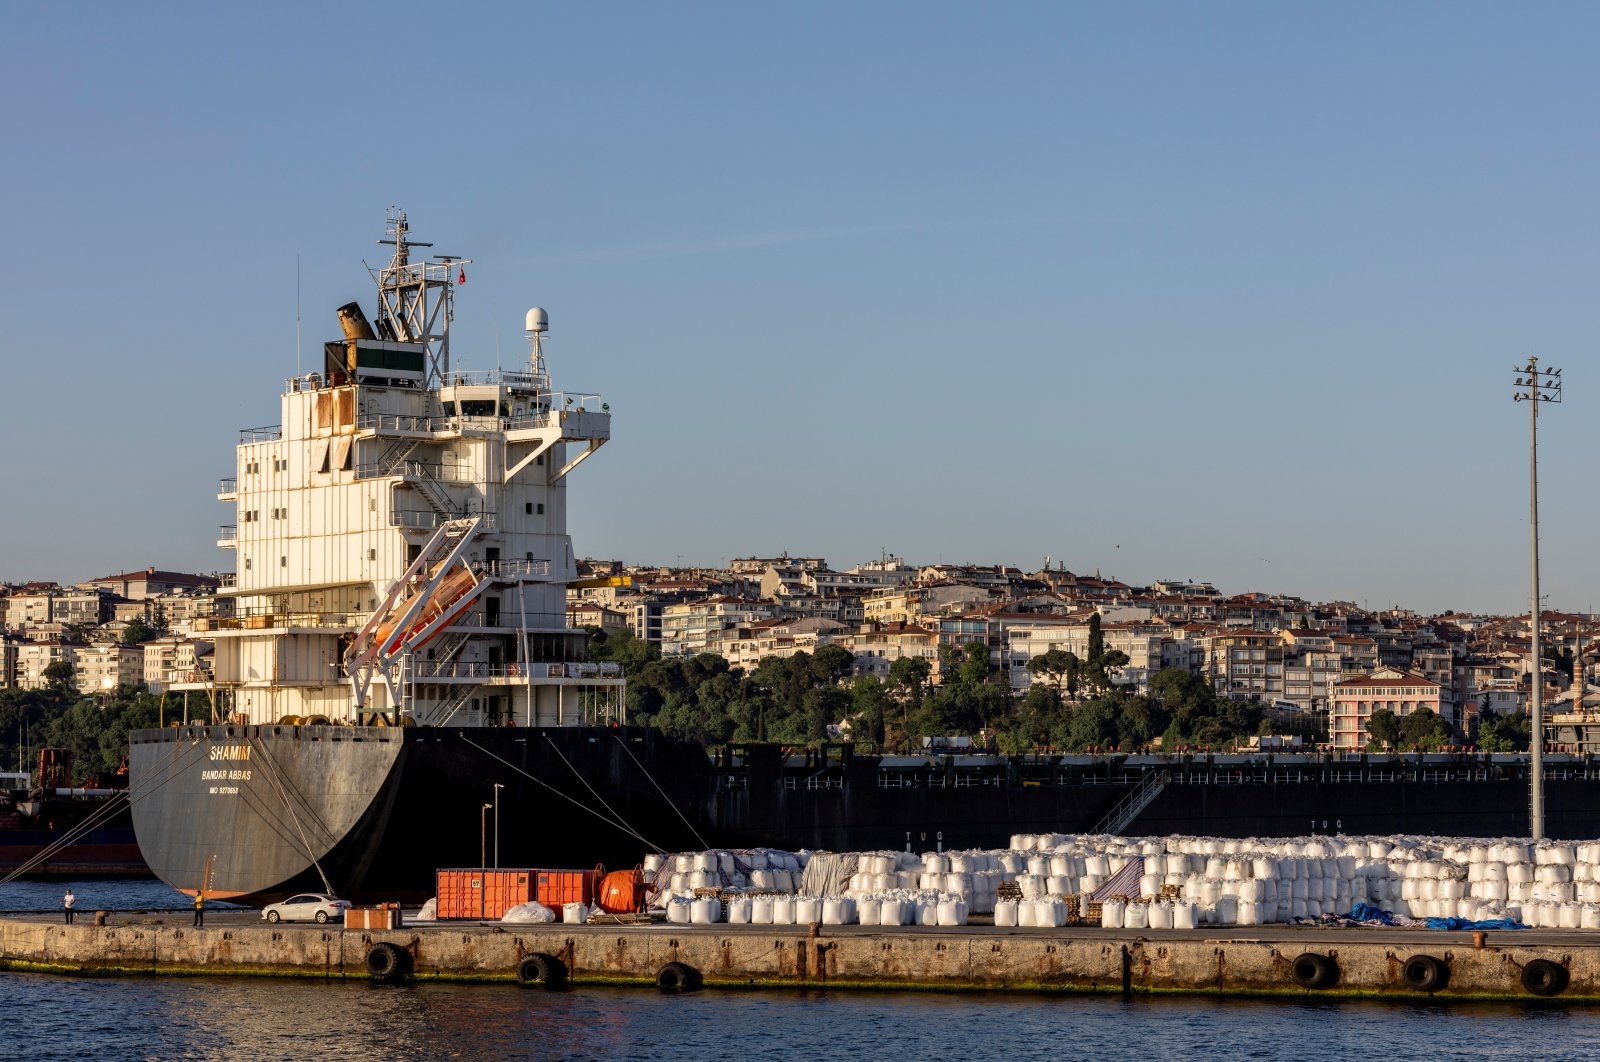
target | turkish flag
x=462, y=279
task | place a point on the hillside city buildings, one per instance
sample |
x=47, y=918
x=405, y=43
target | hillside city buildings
x=1328, y=662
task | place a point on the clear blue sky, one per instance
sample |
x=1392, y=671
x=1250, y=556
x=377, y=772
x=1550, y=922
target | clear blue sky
x=1221, y=291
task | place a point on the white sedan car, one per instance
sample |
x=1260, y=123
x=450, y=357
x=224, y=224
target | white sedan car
x=306, y=907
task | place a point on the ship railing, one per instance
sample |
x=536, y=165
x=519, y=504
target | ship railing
x=513, y=569
x=413, y=470
x=228, y=485
x=470, y=669
x=404, y=424
x=227, y=532
x=269, y=433
x=496, y=377
x=226, y=580
x=513, y=620
x=428, y=520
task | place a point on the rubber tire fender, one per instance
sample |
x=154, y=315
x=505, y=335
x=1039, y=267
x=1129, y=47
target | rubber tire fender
x=1542, y=977
x=538, y=970
x=1424, y=973
x=1310, y=970
x=388, y=962
x=677, y=977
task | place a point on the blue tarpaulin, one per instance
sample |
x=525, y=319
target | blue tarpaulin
x=1366, y=915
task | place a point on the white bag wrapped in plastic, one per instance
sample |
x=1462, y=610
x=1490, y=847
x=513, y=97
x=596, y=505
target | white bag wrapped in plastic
x=530, y=912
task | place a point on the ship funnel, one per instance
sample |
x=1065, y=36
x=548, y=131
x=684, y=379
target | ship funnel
x=354, y=322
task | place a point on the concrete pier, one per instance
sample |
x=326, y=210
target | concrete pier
x=1253, y=961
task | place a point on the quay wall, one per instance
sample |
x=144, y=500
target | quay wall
x=1368, y=964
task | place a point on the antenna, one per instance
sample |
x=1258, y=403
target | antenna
x=416, y=300
x=535, y=325
x=297, y=313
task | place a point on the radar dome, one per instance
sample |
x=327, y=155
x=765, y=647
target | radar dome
x=537, y=321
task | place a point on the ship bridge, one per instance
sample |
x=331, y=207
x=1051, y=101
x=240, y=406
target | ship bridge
x=401, y=534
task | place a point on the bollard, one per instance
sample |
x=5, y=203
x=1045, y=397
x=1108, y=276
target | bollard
x=100, y=918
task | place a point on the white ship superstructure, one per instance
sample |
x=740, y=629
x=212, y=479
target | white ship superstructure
x=402, y=535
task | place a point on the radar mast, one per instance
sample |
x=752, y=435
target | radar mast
x=416, y=300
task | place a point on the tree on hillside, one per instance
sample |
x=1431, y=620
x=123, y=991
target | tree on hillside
x=138, y=632
x=1057, y=666
x=1503, y=733
x=59, y=675
x=910, y=675
x=833, y=663
x=869, y=711
x=621, y=647
x=97, y=731
x=1424, y=729
x=1384, y=726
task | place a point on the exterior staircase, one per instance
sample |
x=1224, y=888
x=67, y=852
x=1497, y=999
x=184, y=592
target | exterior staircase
x=1119, y=818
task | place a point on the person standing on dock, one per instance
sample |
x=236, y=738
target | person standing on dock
x=200, y=908
x=67, y=902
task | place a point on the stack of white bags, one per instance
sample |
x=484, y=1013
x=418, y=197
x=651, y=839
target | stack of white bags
x=1182, y=882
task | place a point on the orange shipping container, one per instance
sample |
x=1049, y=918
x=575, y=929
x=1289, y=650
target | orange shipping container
x=481, y=893
x=557, y=887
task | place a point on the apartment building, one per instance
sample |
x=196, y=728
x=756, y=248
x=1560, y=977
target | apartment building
x=149, y=582
x=917, y=604
x=1244, y=664
x=698, y=626
x=33, y=658
x=105, y=668
x=746, y=647
x=168, y=661
x=878, y=648
x=1355, y=699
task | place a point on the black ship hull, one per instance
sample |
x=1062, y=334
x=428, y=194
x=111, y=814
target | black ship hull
x=256, y=813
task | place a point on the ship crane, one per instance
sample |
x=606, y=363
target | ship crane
x=432, y=594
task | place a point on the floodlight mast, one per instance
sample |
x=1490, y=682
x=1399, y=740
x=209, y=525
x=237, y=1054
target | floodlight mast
x=1535, y=386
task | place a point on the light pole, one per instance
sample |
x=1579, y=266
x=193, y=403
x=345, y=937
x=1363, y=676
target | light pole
x=497, y=788
x=483, y=836
x=1535, y=386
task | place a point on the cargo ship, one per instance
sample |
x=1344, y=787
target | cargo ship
x=399, y=689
